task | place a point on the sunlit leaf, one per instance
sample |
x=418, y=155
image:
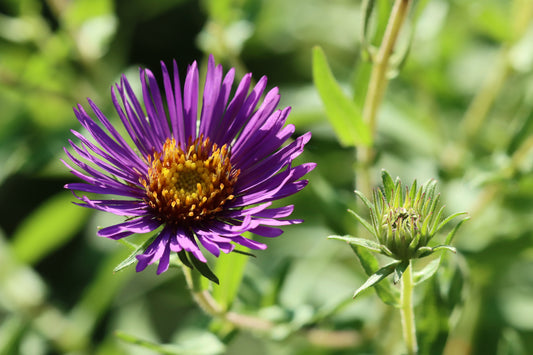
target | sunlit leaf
x=344, y=116
x=377, y=276
x=47, y=228
x=365, y=243
x=230, y=270
x=370, y=264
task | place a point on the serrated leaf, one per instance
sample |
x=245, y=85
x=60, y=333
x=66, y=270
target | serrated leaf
x=365, y=243
x=370, y=264
x=343, y=114
x=132, y=257
x=377, y=277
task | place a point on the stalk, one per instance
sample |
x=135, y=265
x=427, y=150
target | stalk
x=376, y=89
x=407, y=311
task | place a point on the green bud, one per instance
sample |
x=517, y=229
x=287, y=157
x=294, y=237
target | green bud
x=404, y=219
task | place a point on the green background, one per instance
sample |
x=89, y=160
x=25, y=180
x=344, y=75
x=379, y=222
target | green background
x=460, y=109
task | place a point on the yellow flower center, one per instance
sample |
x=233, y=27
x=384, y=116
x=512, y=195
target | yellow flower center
x=189, y=186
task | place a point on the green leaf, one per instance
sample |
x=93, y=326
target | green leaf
x=99, y=293
x=377, y=277
x=448, y=219
x=365, y=224
x=47, y=228
x=230, y=269
x=370, y=264
x=445, y=247
x=388, y=184
x=132, y=257
x=399, y=270
x=367, y=8
x=449, y=237
x=343, y=114
x=203, y=268
x=365, y=243
x=429, y=270
x=182, y=255
x=202, y=343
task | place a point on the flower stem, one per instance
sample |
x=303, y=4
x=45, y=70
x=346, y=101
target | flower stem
x=324, y=338
x=376, y=89
x=407, y=311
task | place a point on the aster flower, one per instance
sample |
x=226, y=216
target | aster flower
x=200, y=176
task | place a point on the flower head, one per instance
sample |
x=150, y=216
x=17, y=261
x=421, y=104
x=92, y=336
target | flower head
x=405, y=219
x=204, y=175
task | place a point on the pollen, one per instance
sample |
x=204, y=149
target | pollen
x=192, y=185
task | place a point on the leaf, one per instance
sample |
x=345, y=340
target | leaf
x=365, y=243
x=99, y=294
x=399, y=270
x=377, y=277
x=230, y=269
x=449, y=237
x=429, y=270
x=201, y=344
x=365, y=224
x=388, y=184
x=343, y=114
x=203, y=268
x=367, y=8
x=132, y=257
x=47, y=228
x=448, y=219
x=182, y=255
x=445, y=247
x=370, y=264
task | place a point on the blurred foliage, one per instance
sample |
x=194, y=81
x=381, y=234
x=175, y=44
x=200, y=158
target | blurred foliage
x=460, y=110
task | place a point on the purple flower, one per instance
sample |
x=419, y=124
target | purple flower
x=205, y=175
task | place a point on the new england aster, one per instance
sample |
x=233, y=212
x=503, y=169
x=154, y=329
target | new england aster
x=204, y=175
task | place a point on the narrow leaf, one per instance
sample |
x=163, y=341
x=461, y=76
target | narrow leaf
x=377, y=277
x=203, y=269
x=47, y=228
x=230, y=269
x=343, y=114
x=448, y=219
x=429, y=270
x=449, y=237
x=399, y=270
x=365, y=243
x=445, y=247
x=361, y=220
x=370, y=264
x=388, y=184
x=182, y=255
x=132, y=257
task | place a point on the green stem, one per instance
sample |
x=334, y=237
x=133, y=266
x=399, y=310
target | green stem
x=407, y=311
x=324, y=338
x=376, y=89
